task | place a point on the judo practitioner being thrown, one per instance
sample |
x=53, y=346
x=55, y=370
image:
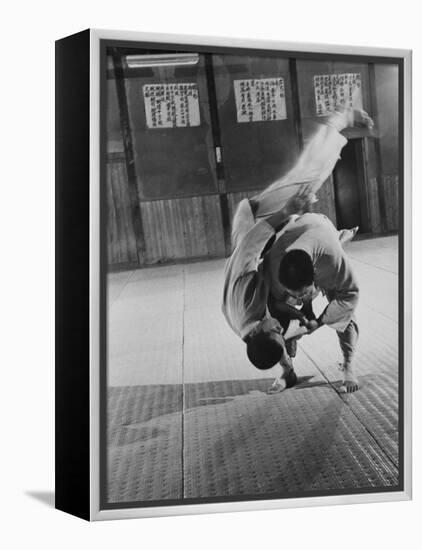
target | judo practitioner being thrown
x=283, y=256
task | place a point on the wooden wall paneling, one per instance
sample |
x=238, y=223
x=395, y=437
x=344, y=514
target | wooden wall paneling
x=362, y=174
x=393, y=200
x=125, y=212
x=386, y=90
x=118, y=63
x=114, y=138
x=185, y=228
x=172, y=234
x=388, y=195
x=121, y=236
x=153, y=226
x=198, y=221
x=113, y=256
x=396, y=202
x=195, y=238
x=377, y=148
x=373, y=204
x=393, y=183
x=396, y=183
x=192, y=240
x=117, y=244
x=366, y=175
x=383, y=186
x=326, y=200
x=159, y=228
x=390, y=186
x=213, y=225
x=209, y=228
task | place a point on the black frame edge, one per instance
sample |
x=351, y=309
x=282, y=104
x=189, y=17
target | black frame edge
x=72, y=412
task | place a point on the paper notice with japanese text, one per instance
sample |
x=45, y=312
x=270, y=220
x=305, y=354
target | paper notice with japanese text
x=260, y=99
x=335, y=90
x=171, y=105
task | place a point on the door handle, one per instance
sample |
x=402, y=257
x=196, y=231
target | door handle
x=218, y=155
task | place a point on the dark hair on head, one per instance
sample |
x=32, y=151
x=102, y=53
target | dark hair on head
x=263, y=350
x=296, y=270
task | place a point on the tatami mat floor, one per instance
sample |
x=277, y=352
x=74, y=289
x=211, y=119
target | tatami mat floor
x=188, y=416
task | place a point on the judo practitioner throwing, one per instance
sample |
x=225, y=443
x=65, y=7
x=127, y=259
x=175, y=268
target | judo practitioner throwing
x=283, y=256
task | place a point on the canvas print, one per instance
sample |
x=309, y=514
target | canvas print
x=251, y=259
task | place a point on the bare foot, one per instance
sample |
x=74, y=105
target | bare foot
x=350, y=382
x=347, y=235
x=361, y=118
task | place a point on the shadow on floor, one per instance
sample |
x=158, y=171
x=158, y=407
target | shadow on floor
x=45, y=497
x=136, y=404
x=133, y=411
x=136, y=413
x=235, y=439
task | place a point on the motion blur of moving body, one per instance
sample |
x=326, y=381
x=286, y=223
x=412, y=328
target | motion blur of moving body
x=254, y=311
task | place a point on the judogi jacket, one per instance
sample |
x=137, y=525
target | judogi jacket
x=316, y=235
x=246, y=287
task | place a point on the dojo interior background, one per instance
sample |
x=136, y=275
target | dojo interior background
x=171, y=191
x=187, y=415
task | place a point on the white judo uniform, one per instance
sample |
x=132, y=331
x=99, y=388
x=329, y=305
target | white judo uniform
x=247, y=281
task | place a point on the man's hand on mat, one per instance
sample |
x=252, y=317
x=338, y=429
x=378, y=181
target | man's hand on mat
x=277, y=386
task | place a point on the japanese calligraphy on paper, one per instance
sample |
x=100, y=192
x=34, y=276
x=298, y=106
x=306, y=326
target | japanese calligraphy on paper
x=333, y=90
x=171, y=105
x=260, y=99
